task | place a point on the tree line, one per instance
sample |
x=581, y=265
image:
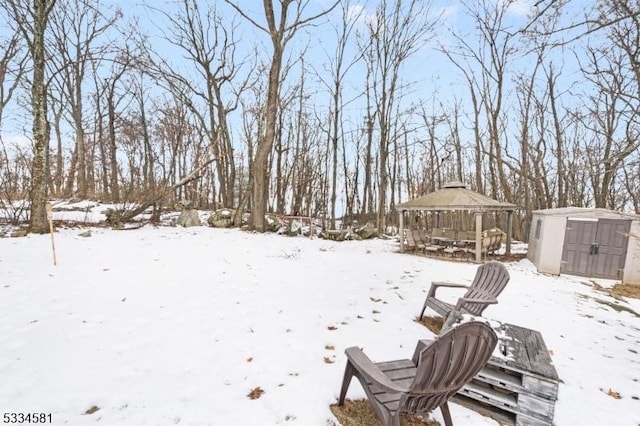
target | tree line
x=168, y=101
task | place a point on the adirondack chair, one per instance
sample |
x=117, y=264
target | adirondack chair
x=491, y=243
x=419, y=239
x=491, y=278
x=495, y=242
x=410, y=241
x=426, y=382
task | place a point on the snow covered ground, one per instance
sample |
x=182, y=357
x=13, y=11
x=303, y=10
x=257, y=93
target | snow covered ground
x=167, y=325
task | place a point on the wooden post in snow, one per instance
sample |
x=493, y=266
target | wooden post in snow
x=50, y=219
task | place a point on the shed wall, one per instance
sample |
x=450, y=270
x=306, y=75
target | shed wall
x=551, y=243
x=535, y=241
x=631, y=274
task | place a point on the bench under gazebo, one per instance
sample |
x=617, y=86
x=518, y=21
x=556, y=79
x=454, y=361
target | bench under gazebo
x=455, y=196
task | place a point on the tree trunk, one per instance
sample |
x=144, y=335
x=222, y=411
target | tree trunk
x=40, y=165
x=261, y=173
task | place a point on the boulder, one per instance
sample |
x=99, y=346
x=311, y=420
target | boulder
x=113, y=217
x=334, y=234
x=189, y=217
x=366, y=231
x=183, y=205
x=273, y=223
x=19, y=233
x=221, y=218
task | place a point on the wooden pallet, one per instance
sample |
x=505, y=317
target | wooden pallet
x=519, y=385
x=503, y=417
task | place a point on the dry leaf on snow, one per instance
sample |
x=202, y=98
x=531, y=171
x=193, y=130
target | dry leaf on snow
x=255, y=393
x=614, y=394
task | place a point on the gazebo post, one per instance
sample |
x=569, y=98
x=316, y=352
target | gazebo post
x=478, y=237
x=401, y=220
x=509, y=226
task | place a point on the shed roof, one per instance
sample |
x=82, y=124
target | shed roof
x=586, y=212
x=455, y=196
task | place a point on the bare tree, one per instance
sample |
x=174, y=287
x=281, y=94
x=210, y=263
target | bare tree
x=367, y=206
x=252, y=127
x=115, y=93
x=211, y=92
x=290, y=135
x=12, y=68
x=340, y=63
x=31, y=19
x=526, y=97
x=600, y=16
x=142, y=96
x=77, y=28
x=452, y=118
x=459, y=61
x=612, y=119
x=280, y=30
x=485, y=67
x=624, y=31
x=398, y=30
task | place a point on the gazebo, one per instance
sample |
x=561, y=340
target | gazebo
x=455, y=196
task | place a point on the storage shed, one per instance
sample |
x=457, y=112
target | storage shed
x=588, y=242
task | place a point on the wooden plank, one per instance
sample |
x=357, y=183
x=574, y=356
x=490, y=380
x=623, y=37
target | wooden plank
x=516, y=351
x=502, y=416
x=532, y=404
x=491, y=374
x=514, y=402
x=484, y=393
x=528, y=351
x=518, y=382
x=539, y=357
x=546, y=388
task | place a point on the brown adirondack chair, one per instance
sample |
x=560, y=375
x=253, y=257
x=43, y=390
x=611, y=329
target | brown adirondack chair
x=491, y=278
x=426, y=382
x=491, y=243
x=410, y=241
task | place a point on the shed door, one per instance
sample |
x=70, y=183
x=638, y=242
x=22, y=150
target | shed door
x=595, y=248
x=576, y=252
x=611, y=242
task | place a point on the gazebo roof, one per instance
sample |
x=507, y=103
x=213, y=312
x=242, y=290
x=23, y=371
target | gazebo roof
x=456, y=196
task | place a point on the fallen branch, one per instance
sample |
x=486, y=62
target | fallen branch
x=119, y=218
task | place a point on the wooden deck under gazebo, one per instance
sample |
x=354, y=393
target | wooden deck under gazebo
x=455, y=196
